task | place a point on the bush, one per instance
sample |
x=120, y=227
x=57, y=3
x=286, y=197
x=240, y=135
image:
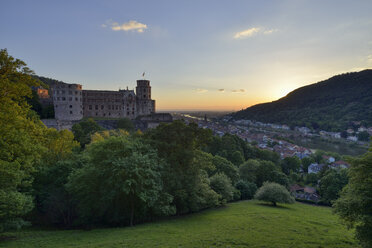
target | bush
x=274, y=193
x=247, y=189
x=221, y=184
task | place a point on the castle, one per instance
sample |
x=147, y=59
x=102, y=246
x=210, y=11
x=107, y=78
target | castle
x=72, y=103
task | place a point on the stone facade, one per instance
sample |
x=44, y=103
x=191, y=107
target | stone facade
x=71, y=102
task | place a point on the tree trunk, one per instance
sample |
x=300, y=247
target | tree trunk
x=274, y=204
x=131, y=212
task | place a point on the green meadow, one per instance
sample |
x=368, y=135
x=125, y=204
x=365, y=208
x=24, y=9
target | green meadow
x=240, y=224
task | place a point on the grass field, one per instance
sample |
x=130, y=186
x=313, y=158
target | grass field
x=241, y=224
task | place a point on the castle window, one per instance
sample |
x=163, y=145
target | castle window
x=96, y=107
x=109, y=113
x=109, y=107
x=90, y=107
x=63, y=98
x=70, y=106
x=96, y=113
x=101, y=106
x=117, y=107
x=70, y=112
x=76, y=92
x=144, y=96
x=132, y=113
x=76, y=99
x=127, y=113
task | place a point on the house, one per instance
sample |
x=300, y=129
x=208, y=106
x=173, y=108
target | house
x=340, y=164
x=329, y=159
x=304, y=193
x=352, y=138
x=315, y=168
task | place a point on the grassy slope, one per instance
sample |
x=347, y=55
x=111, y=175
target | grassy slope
x=241, y=224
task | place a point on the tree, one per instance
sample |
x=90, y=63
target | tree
x=248, y=170
x=331, y=184
x=274, y=193
x=221, y=184
x=355, y=204
x=306, y=162
x=184, y=174
x=125, y=124
x=247, y=189
x=363, y=136
x=223, y=165
x=21, y=142
x=121, y=183
x=289, y=164
x=84, y=130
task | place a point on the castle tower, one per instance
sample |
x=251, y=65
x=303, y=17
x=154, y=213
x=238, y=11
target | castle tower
x=67, y=100
x=143, y=89
x=145, y=105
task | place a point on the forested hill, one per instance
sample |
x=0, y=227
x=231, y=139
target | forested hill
x=48, y=81
x=329, y=105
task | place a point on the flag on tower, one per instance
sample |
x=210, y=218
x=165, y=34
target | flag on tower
x=143, y=74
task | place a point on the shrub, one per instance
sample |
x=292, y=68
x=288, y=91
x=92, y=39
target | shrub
x=274, y=193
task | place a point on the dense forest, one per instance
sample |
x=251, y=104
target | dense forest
x=329, y=105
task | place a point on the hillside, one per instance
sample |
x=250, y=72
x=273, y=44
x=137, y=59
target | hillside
x=329, y=105
x=240, y=224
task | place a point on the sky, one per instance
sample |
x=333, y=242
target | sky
x=198, y=54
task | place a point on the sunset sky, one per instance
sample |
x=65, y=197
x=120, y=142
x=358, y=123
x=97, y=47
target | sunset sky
x=199, y=55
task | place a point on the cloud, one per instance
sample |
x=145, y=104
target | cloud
x=221, y=90
x=238, y=91
x=252, y=32
x=270, y=31
x=246, y=33
x=201, y=90
x=131, y=25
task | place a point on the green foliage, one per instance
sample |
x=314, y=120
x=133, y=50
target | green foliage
x=355, y=204
x=259, y=171
x=274, y=193
x=247, y=189
x=54, y=204
x=224, y=166
x=328, y=105
x=21, y=143
x=231, y=147
x=248, y=170
x=120, y=184
x=290, y=164
x=363, y=136
x=221, y=184
x=184, y=174
x=331, y=184
x=306, y=162
x=125, y=124
x=84, y=130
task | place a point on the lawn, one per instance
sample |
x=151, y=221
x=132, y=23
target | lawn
x=240, y=224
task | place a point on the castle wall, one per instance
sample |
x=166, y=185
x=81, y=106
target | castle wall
x=73, y=103
x=99, y=103
x=67, y=100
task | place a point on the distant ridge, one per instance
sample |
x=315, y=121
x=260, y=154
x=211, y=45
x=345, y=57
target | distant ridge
x=330, y=105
